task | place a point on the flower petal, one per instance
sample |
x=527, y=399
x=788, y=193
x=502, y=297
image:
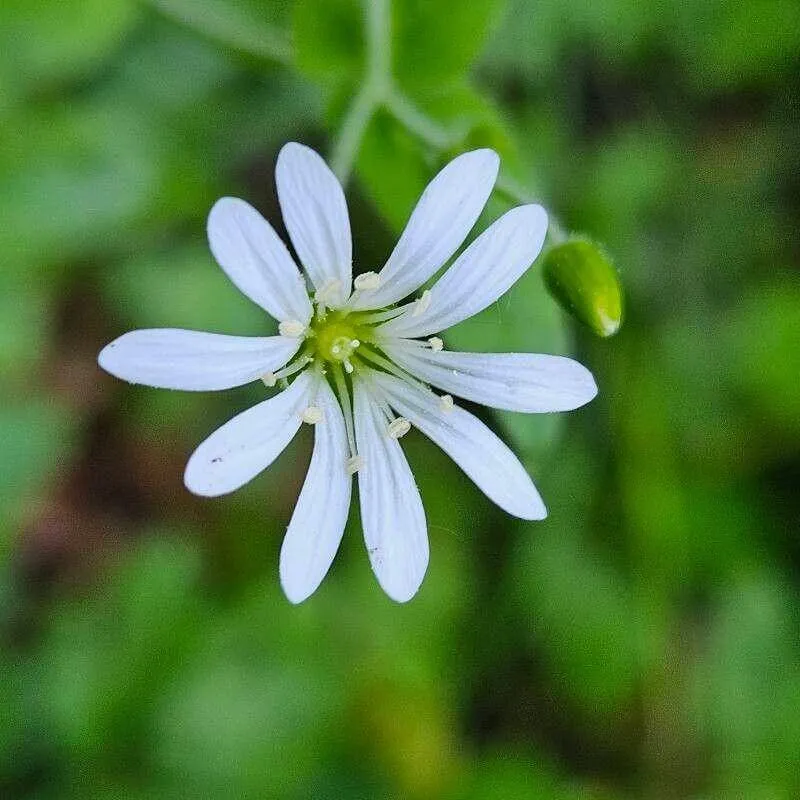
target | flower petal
x=317, y=524
x=527, y=382
x=441, y=220
x=479, y=452
x=391, y=509
x=315, y=213
x=248, y=443
x=256, y=260
x=171, y=358
x=481, y=274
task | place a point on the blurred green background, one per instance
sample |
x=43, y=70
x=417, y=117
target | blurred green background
x=642, y=642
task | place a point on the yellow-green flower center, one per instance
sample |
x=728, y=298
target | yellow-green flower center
x=336, y=337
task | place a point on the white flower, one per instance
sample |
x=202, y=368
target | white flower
x=361, y=364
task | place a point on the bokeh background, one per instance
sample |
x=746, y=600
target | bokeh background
x=641, y=642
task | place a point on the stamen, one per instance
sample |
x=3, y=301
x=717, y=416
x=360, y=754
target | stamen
x=329, y=292
x=398, y=427
x=312, y=415
x=291, y=328
x=437, y=345
x=422, y=303
x=382, y=316
x=354, y=464
x=367, y=282
x=348, y=366
x=446, y=403
x=390, y=366
x=271, y=378
x=347, y=408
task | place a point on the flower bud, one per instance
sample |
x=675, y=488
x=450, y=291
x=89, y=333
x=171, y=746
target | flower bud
x=582, y=278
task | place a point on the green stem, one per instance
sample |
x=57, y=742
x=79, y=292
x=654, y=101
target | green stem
x=371, y=95
x=248, y=36
x=417, y=122
x=516, y=194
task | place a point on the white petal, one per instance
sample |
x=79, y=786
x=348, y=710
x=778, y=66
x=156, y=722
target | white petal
x=444, y=215
x=494, y=468
x=391, y=509
x=481, y=274
x=531, y=383
x=315, y=213
x=170, y=358
x=319, y=518
x=256, y=260
x=248, y=443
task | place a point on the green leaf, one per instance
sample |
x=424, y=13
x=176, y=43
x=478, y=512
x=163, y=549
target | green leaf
x=182, y=288
x=436, y=41
x=50, y=42
x=255, y=27
x=329, y=40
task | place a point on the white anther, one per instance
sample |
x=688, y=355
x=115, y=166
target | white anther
x=422, y=303
x=269, y=379
x=291, y=328
x=437, y=345
x=398, y=427
x=367, y=282
x=355, y=343
x=446, y=403
x=348, y=367
x=312, y=415
x=354, y=464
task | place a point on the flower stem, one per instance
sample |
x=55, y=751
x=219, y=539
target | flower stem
x=371, y=95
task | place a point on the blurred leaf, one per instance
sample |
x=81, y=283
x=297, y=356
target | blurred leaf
x=761, y=339
x=583, y=614
x=255, y=27
x=182, y=288
x=748, y=688
x=24, y=329
x=42, y=41
x=736, y=44
x=36, y=434
x=435, y=41
x=106, y=659
x=329, y=40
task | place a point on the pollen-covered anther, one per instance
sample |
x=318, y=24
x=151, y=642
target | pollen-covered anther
x=367, y=282
x=437, y=345
x=312, y=415
x=291, y=328
x=354, y=464
x=446, y=403
x=422, y=303
x=398, y=427
x=348, y=366
x=269, y=379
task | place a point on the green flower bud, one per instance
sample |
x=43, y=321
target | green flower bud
x=582, y=278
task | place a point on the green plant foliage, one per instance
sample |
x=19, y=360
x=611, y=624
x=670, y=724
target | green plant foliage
x=639, y=643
